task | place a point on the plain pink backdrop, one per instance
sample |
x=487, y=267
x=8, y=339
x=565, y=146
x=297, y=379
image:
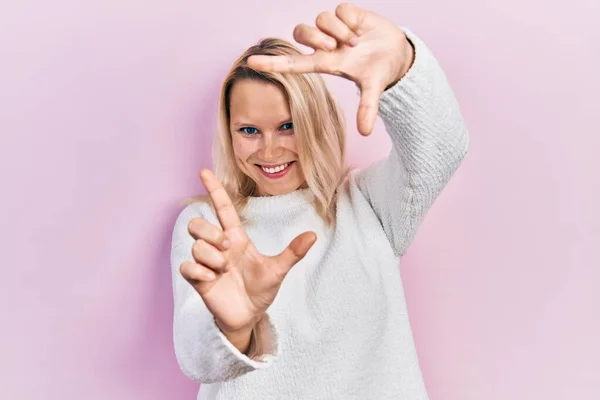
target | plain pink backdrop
x=107, y=111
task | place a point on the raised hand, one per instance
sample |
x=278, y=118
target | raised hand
x=353, y=43
x=236, y=282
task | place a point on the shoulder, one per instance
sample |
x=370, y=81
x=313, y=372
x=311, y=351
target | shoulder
x=349, y=193
x=359, y=178
x=201, y=209
x=362, y=185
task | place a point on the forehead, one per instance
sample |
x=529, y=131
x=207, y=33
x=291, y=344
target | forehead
x=257, y=102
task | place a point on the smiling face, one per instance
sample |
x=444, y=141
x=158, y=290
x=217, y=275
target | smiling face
x=263, y=137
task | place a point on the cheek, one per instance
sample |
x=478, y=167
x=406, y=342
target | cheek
x=242, y=149
x=290, y=144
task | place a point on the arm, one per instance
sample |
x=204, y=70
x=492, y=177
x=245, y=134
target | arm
x=203, y=352
x=429, y=141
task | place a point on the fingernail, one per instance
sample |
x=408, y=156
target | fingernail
x=226, y=244
x=330, y=44
x=210, y=276
x=354, y=41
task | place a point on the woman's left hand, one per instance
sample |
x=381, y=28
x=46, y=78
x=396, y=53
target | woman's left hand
x=353, y=43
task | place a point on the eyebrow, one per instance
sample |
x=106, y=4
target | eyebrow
x=242, y=123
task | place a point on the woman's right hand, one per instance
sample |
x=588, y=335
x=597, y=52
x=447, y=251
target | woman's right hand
x=236, y=282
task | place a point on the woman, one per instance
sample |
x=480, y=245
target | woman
x=286, y=282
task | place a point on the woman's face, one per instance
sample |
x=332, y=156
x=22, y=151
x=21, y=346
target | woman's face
x=263, y=137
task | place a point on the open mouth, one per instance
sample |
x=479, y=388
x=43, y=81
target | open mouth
x=277, y=170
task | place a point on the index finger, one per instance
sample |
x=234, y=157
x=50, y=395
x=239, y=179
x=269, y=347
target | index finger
x=224, y=208
x=295, y=63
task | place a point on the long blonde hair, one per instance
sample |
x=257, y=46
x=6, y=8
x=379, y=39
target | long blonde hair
x=318, y=126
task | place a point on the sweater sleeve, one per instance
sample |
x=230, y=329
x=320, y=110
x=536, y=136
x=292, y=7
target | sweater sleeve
x=203, y=352
x=429, y=141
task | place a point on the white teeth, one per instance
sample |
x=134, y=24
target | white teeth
x=276, y=169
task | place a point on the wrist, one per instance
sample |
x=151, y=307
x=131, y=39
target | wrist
x=240, y=338
x=408, y=56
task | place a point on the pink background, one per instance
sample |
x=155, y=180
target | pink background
x=107, y=109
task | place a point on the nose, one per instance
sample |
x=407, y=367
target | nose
x=271, y=146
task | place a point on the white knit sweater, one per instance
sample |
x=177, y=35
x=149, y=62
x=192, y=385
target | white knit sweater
x=338, y=328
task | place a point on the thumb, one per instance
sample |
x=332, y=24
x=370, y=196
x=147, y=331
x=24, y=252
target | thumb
x=368, y=107
x=295, y=251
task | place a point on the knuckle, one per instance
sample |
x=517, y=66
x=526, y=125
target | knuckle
x=360, y=17
x=196, y=272
x=205, y=254
x=326, y=64
x=291, y=63
x=326, y=68
x=195, y=224
x=322, y=18
x=183, y=268
x=225, y=207
x=299, y=32
x=197, y=249
x=186, y=270
x=343, y=8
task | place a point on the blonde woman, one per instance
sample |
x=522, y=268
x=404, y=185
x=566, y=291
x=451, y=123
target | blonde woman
x=286, y=281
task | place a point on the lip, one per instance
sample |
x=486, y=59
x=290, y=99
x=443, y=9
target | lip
x=276, y=175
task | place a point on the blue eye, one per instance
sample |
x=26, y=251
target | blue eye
x=249, y=130
x=287, y=126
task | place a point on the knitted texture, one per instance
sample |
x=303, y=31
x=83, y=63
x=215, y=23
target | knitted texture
x=338, y=328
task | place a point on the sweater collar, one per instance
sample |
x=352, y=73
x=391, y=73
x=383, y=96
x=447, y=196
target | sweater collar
x=278, y=204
